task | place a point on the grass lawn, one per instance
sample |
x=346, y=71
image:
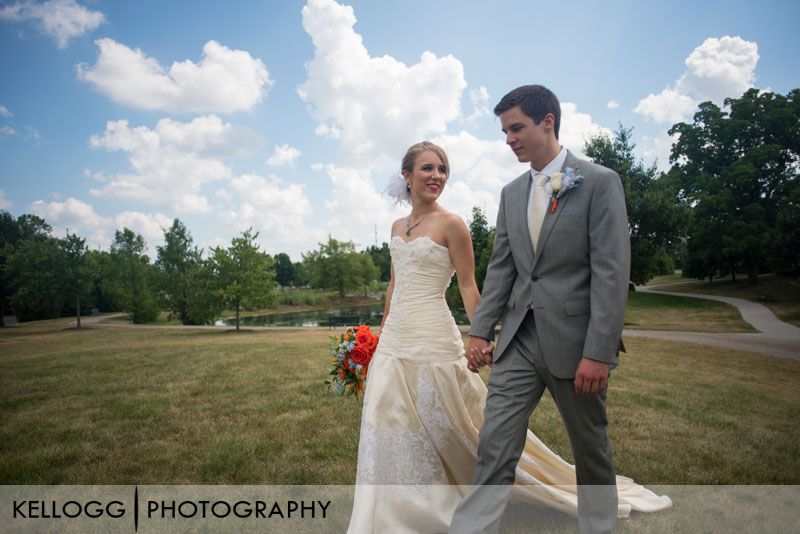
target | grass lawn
x=179, y=406
x=648, y=311
x=785, y=291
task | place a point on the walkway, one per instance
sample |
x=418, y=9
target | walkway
x=775, y=337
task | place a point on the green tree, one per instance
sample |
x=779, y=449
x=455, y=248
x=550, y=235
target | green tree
x=656, y=220
x=245, y=275
x=177, y=262
x=482, y=243
x=285, y=272
x=368, y=272
x=77, y=274
x=744, y=162
x=382, y=259
x=12, y=232
x=334, y=266
x=130, y=281
x=35, y=269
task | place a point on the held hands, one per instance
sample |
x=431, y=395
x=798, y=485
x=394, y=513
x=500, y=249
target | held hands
x=591, y=377
x=479, y=353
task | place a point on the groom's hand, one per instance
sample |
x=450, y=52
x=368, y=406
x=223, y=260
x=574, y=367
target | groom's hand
x=591, y=377
x=479, y=353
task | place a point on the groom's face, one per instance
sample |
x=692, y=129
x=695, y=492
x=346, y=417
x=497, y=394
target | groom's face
x=526, y=138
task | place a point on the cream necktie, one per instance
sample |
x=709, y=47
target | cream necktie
x=536, y=210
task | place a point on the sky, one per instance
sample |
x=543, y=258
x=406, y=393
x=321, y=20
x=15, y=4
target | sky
x=289, y=117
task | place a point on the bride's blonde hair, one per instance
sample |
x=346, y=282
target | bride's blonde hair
x=416, y=149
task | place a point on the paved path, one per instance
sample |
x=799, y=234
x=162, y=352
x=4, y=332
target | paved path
x=775, y=337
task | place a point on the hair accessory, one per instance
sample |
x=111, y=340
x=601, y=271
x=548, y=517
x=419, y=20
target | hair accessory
x=397, y=188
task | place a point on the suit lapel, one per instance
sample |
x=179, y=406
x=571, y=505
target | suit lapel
x=551, y=218
x=518, y=203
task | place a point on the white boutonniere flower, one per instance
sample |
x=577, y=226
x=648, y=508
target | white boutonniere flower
x=560, y=183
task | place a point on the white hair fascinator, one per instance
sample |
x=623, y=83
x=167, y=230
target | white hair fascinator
x=397, y=188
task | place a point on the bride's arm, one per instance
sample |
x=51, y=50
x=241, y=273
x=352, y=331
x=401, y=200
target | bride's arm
x=389, y=291
x=459, y=242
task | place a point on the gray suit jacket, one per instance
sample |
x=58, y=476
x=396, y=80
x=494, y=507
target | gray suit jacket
x=576, y=282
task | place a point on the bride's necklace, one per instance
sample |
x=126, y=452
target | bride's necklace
x=410, y=226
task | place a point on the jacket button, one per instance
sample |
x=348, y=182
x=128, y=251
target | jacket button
x=534, y=278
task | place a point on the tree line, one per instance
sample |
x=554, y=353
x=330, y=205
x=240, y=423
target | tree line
x=44, y=276
x=729, y=203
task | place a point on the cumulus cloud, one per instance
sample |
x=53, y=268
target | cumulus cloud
x=60, y=19
x=377, y=106
x=283, y=155
x=669, y=106
x=577, y=127
x=223, y=81
x=7, y=130
x=480, y=163
x=4, y=112
x=612, y=104
x=480, y=102
x=78, y=217
x=171, y=163
x=717, y=69
x=275, y=208
x=150, y=225
x=4, y=202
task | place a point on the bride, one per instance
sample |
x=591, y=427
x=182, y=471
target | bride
x=423, y=407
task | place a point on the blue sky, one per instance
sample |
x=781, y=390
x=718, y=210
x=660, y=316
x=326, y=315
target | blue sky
x=289, y=116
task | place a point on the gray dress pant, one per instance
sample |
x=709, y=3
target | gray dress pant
x=516, y=384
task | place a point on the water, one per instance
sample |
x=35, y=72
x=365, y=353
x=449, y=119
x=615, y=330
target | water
x=370, y=315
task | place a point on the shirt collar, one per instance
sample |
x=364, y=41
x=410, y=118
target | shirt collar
x=554, y=166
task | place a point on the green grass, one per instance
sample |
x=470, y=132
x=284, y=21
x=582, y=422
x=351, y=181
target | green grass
x=175, y=406
x=785, y=292
x=648, y=311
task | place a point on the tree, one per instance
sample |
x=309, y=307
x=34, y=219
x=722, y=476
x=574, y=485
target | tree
x=77, y=274
x=744, y=162
x=482, y=243
x=382, y=260
x=334, y=266
x=35, y=270
x=177, y=262
x=245, y=275
x=12, y=232
x=130, y=282
x=367, y=271
x=285, y=272
x=656, y=221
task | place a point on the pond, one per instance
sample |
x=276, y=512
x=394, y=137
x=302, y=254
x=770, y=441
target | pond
x=370, y=315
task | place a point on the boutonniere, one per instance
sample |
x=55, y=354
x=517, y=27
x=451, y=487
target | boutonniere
x=560, y=183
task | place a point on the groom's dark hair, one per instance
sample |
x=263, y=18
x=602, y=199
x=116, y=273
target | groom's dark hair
x=535, y=101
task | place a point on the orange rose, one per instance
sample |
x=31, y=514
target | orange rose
x=361, y=354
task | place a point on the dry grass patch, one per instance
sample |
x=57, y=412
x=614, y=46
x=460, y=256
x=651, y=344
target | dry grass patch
x=180, y=406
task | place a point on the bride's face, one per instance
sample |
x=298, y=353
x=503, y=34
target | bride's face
x=429, y=177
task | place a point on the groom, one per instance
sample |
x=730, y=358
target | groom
x=559, y=271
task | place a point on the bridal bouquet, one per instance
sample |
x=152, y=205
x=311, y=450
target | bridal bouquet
x=352, y=351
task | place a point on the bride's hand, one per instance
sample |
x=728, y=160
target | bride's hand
x=479, y=353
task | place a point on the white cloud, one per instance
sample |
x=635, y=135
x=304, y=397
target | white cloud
x=577, y=127
x=150, y=225
x=669, y=106
x=283, y=155
x=717, y=69
x=720, y=68
x=317, y=166
x=4, y=202
x=657, y=149
x=482, y=164
x=76, y=216
x=223, y=81
x=480, y=102
x=171, y=163
x=276, y=209
x=60, y=19
x=7, y=130
x=4, y=112
x=377, y=105
x=612, y=104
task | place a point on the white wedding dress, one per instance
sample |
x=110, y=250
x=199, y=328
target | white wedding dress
x=423, y=409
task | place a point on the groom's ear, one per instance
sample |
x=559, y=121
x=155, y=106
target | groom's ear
x=549, y=121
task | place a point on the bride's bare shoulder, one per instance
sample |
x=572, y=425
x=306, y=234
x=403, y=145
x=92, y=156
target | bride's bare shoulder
x=397, y=225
